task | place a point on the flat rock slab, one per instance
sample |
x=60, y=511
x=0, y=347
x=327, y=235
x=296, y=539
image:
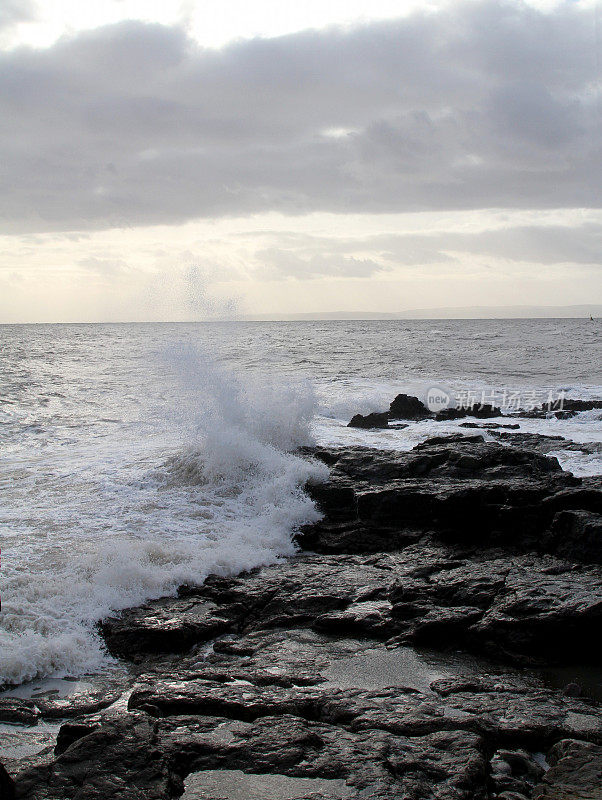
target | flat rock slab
x=238, y=785
x=523, y=608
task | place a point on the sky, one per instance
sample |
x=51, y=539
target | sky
x=192, y=160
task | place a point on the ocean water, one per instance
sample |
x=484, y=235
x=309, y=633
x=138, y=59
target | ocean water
x=137, y=457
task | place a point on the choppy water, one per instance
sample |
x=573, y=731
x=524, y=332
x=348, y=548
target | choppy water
x=137, y=457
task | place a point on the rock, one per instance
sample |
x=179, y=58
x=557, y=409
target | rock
x=18, y=710
x=77, y=705
x=570, y=404
x=546, y=444
x=154, y=632
x=118, y=759
x=489, y=426
x=458, y=486
x=480, y=410
x=518, y=608
x=575, y=774
x=564, y=408
x=406, y=406
x=7, y=787
x=72, y=731
x=370, y=421
x=313, y=667
x=577, y=535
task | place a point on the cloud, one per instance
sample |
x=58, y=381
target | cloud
x=103, y=266
x=488, y=103
x=306, y=256
x=12, y=12
x=550, y=244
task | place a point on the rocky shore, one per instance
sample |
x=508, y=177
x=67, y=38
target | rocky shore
x=438, y=637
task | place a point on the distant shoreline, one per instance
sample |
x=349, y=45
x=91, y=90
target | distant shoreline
x=481, y=313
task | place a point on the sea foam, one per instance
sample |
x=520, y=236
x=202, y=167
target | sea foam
x=224, y=496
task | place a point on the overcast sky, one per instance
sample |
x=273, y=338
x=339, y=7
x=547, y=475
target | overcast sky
x=173, y=160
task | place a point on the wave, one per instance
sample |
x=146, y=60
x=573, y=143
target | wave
x=227, y=498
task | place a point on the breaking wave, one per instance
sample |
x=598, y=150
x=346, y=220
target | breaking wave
x=213, y=486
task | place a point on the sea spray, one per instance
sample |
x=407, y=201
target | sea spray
x=225, y=496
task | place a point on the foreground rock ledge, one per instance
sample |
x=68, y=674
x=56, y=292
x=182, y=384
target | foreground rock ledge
x=351, y=664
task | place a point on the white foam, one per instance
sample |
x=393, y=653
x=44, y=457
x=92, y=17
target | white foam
x=115, y=526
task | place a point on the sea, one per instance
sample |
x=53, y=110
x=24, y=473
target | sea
x=137, y=457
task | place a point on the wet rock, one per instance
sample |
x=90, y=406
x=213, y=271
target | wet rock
x=440, y=547
x=489, y=426
x=119, y=759
x=77, y=705
x=19, y=711
x=71, y=732
x=577, y=535
x=546, y=444
x=521, y=608
x=406, y=406
x=575, y=774
x=460, y=487
x=7, y=787
x=150, y=629
x=376, y=763
x=563, y=408
x=374, y=420
x=479, y=410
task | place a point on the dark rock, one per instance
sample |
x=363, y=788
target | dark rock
x=563, y=408
x=521, y=608
x=77, y=705
x=311, y=674
x=577, y=535
x=7, y=787
x=405, y=406
x=459, y=486
x=570, y=404
x=489, y=426
x=479, y=410
x=153, y=632
x=576, y=772
x=118, y=759
x=546, y=444
x=370, y=421
x=18, y=710
x=72, y=731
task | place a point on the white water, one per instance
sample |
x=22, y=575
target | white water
x=113, y=523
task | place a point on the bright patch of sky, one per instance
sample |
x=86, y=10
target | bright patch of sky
x=214, y=23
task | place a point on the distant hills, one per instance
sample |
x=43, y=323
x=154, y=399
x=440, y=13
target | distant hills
x=452, y=312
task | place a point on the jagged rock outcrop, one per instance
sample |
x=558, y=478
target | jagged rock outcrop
x=465, y=489
x=404, y=406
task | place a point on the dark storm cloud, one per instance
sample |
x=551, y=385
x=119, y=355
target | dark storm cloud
x=483, y=104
